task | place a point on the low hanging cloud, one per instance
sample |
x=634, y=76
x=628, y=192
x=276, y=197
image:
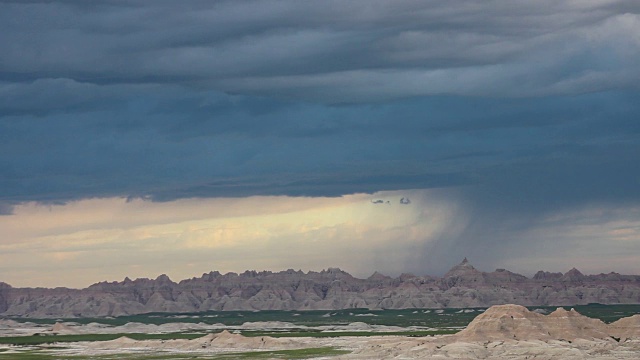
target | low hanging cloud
x=557, y=148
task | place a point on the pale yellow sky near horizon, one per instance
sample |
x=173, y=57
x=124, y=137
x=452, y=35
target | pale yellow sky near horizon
x=86, y=241
x=83, y=242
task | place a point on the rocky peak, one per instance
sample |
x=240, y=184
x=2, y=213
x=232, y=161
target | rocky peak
x=334, y=271
x=462, y=269
x=560, y=312
x=406, y=276
x=163, y=279
x=573, y=275
x=100, y=285
x=612, y=276
x=292, y=272
x=210, y=276
x=376, y=276
x=545, y=275
x=249, y=273
x=504, y=275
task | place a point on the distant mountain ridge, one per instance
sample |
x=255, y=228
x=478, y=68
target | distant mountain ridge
x=331, y=289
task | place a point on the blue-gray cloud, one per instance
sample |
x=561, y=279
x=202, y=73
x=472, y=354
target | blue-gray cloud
x=522, y=108
x=171, y=143
x=328, y=51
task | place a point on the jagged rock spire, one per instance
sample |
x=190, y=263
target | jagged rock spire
x=463, y=268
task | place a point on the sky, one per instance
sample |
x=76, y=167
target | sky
x=142, y=138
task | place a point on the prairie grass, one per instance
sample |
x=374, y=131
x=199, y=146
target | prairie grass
x=275, y=354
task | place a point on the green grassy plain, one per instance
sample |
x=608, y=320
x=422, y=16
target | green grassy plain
x=429, y=322
x=277, y=354
x=50, y=339
x=445, y=318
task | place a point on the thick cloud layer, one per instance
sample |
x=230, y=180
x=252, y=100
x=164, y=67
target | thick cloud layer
x=523, y=109
x=168, y=145
x=328, y=51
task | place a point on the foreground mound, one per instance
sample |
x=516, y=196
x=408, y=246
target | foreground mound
x=211, y=342
x=503, y=322
x=62, y=329
x=225, y=339
x=626, y=328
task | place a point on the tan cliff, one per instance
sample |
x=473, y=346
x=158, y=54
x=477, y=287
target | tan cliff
x=516, y=322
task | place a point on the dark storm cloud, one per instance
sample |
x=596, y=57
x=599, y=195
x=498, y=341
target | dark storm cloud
x=511, y=200
x=328, y=51
x=221, y=145
x=234, y=98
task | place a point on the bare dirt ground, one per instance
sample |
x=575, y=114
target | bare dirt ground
x=374, y=347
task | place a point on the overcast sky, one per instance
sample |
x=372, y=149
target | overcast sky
x=148, y=137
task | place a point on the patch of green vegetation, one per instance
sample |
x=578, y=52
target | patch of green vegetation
x=50, y=339
x=27, y=355
x=316, y=333
x=276, y=354
x=403, y=317
x=426, y=318
x=286, y=354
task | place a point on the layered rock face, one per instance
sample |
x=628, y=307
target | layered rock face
x=626, y=328
x=463, y=286
x=515, y=322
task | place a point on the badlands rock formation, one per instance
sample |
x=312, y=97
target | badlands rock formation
x=515, y=322
x=502, y=332
x=626, y=328
x=463, y=286
x=513, y=332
